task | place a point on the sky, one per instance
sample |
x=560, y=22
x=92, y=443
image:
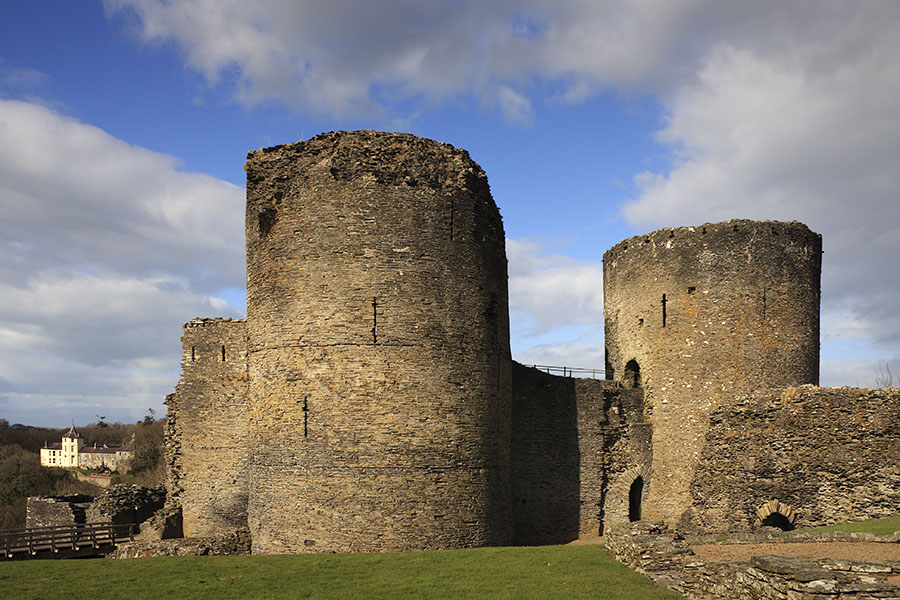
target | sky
x=124, y=127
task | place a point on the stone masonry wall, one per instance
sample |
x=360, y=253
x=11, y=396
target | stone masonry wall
x=630, y=458
x=56, y=511
x=206, y=437
x=707, y=313
x=379, y=347
x=829, y=454
x=570, y=439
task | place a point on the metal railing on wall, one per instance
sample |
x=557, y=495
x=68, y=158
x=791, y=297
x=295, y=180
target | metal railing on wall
x=571, y=371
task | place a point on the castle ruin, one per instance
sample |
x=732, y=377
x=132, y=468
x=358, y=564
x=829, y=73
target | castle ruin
x=369, y=401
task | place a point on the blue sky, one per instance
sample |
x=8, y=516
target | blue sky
x=124, y=126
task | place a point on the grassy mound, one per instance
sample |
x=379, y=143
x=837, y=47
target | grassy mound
x=884, y=526
x=570, y=572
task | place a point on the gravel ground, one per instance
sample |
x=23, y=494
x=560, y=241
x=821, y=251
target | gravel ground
x=861, y=551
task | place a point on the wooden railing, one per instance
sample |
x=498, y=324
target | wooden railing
x=34, y=541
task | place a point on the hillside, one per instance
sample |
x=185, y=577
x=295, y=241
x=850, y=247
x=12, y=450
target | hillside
x=21, y=474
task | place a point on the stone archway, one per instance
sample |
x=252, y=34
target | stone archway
x=626, y=492
x=775, y=513
x=635, y=499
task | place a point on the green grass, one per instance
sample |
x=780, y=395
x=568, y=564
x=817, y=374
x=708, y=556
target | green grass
x=519, y=573
x=884, y=526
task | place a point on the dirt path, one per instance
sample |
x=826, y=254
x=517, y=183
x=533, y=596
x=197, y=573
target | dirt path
x=587, y=540
x=861, y=551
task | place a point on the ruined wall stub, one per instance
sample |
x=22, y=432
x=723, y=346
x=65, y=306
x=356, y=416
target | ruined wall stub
x=56, y=511
x=206, y=437
x=706, y=313
x=830, y=454
x=379, y=357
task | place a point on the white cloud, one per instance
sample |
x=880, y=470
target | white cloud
x=75, y=197
x=107, y=249
x=556, y=307
x=515, y=107
x=808, y=131
x=20, y=77
x=551, y=291
x=774, y=110
x=351, y=58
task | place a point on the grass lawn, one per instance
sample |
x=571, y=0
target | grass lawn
x=520, y=573
x=884, y=526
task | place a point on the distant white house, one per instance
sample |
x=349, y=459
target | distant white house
x=72, y=452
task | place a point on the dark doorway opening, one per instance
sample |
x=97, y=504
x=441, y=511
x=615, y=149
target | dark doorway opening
x=632, y=374
x=778, y=520
x=634, y=499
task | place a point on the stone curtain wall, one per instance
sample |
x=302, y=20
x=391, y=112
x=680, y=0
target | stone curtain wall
x=206, y=437
x=706, y=313
x=548, y=458
x=830, y=454
x=571, y=440
x=379, y=347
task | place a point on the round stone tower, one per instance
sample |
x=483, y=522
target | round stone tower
x=697, y=315
x=379, y=403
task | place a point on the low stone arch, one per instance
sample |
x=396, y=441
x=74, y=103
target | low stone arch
x=618, y=502
x=777, y=514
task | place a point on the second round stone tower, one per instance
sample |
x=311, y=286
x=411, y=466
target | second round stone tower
x=379, y=403
x=697, y=316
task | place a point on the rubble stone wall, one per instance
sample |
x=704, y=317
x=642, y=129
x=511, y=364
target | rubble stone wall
x=206, y=436
x=122, y=504
x=56, y=511
x=703, y=314
x=379, y=347
x=829, y=454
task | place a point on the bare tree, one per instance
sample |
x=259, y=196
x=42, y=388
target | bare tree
x=884, y=377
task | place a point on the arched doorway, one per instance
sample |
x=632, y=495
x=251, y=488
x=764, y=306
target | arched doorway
x=634, y=499
x=777, y=520
x=632, y=378
x=775, y=513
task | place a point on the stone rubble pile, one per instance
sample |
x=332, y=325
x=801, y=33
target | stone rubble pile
x=666, y=558
x=235, y=543
x=126, y=504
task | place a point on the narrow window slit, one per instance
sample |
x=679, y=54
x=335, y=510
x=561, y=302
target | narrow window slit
x=374, y=320
x=664, y=310
x=764, y=304
x=193, y=354
x=223, y=353
x=305, y=416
